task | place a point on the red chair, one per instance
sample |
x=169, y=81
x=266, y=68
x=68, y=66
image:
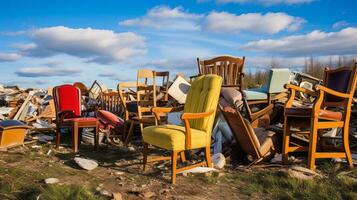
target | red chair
x=67, y=100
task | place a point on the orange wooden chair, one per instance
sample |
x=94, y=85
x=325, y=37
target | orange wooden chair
x=331, y=109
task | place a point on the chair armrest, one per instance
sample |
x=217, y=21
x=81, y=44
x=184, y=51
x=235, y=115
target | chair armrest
x=332, y=92
x=160, y=110
x=185, y=118
x=300, y=89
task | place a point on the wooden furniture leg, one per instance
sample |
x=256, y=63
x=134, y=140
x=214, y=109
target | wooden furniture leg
x=58, y=137
x=131, y=130
x=174, y=166
x=145, y=156
x=208, y=156
x=313, y=144
x=347, y=146
x=75, y=137
x=182, y=156
x=286, y=141
x=96, y=136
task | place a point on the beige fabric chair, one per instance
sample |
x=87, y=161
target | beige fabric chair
x=257, y=143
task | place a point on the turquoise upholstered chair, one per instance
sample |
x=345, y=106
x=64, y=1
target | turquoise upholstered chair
x=272, y=90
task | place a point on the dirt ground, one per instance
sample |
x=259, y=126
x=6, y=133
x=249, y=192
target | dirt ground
x=23, y=170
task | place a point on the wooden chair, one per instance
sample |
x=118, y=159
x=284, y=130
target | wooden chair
x=163, y=96
x=331, y=109
x=129, y=105
x=67, y=100
x=257, y=143
x=229, y=68
x=111, y=102
x=83, y=88
x=198, y=117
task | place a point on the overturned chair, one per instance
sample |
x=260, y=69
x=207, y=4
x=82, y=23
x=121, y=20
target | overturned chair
x=258, y=143
x=198, y=117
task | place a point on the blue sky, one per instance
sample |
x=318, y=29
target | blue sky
x=47, y=43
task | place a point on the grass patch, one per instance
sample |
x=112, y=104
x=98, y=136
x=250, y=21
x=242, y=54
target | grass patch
x=68, y=192
x=279, y=185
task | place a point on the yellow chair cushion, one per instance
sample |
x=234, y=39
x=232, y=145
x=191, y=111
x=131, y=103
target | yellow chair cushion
x=172, y=137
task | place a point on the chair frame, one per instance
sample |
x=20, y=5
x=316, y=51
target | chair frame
x=185, y=117
x=74, y=126
x=165, y=84
x=316, y=124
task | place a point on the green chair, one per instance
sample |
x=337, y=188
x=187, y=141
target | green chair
x=198, y=117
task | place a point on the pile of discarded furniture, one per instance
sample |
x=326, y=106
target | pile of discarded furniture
x=292, y=112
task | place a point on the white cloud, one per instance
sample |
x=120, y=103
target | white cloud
x=9, y=57
x=252, y=22
x=317, y=42
x=94, y=45
x=340, y=24
x=267, y=2
x=46, y=71
x=163, y=17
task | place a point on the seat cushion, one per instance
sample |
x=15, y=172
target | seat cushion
x=109, y=119
x=307, y=112
x=256, y=94
x=84, y=119
x=172, y=137
x=267, y=140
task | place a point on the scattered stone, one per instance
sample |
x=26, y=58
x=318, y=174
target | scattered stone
x=118, y=173
x=117, y=196
x=36, y=147
x=148, y=194
x=86, y=163
x=51, y=180
x=185, y=174
x=104, y=192
x=163, y=191
x=131, y=149
x=218, y=160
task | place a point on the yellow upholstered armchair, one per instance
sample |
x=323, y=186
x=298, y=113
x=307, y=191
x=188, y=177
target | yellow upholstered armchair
x=198, y=117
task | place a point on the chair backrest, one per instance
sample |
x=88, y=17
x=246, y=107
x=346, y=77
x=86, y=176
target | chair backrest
x=111, y=102
x=146, y=88
x=82, y=87
x=342, y=80
x=229, y=68
x=203, y=96
x=278, y=77
x=243, y=132
x=95, y=91
x=67, y=97
x=127, y=95
x=164, y=87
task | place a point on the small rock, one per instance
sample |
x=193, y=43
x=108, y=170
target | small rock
x=86, y=163
x=163, y=191
x=185, y=174
x=131, y=149
x=117, y=196
x=221, y=174
x=148, y=194
x=118, y=173
x=218, y=160
x=121, y=184
x=299, y=175
x=51, y=180
x=104, y=192
x=36, y=147
x=143, y=186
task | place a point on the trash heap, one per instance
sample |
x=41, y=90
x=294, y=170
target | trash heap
x=33, y=106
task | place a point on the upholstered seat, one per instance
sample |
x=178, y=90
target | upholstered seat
x=87, y=119
x=307, y=112
x=172, y=137
x=198, y=117
x=256, y=94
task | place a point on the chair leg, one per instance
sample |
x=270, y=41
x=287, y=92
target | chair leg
x=75, y=137
x=312, y=145
x=346, y=145
x=96, y=136
x=208, y=156
x=58, y=137
x=183, y=156
x=131, y=130
x=145, y=156
x=286, y=141
x=174, y=166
